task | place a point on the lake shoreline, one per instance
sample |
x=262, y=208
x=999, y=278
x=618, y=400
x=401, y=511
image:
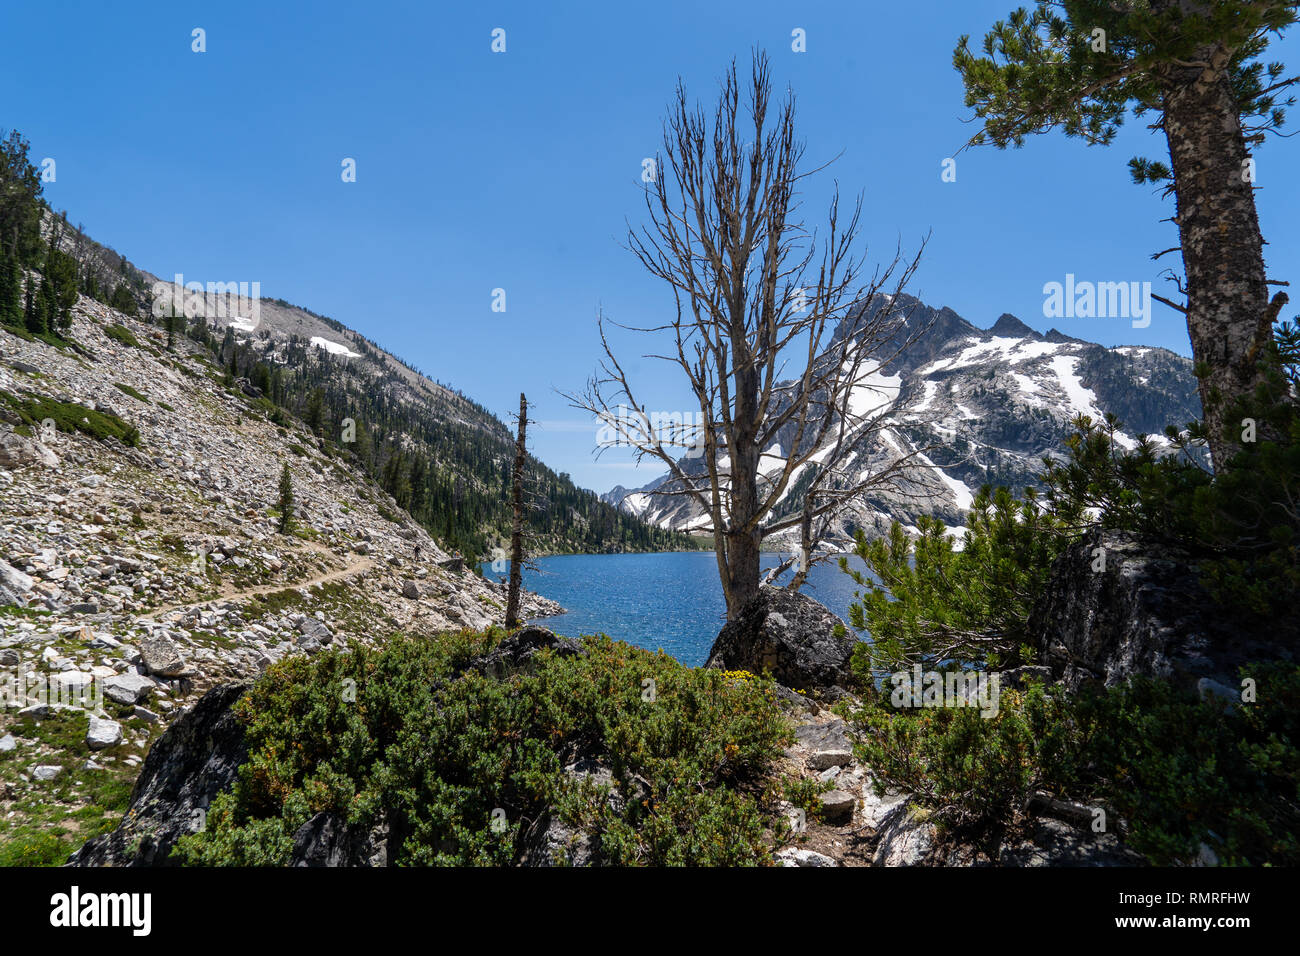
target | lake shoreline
x=662, y=600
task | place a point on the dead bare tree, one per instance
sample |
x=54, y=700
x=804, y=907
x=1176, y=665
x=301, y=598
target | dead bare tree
x=517, y=523
x=754, y=287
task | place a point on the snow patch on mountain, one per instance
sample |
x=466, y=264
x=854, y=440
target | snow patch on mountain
x=334, y=348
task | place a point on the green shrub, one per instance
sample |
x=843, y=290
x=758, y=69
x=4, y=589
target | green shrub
x=1181, y=771
x=923, y=598
x=71, y=416
x=120, y=333
x=127, y=389
x=436, y=750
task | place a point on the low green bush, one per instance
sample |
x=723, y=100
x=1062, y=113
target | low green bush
x=71, y=416
x=433, y=749
x=128, y=390
x=120, y=333
x=1179, y=770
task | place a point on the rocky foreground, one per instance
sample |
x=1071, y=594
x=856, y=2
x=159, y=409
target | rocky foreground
x=146, y=580
x=806, y=648
x=140, y=577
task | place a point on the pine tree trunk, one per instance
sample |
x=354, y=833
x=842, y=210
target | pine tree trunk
x=517, y=525
x=1227, y=297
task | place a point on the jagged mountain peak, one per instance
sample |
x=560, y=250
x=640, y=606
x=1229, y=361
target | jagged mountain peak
x=1008, y=326
x=986, y=404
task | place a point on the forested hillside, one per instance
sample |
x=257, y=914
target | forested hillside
x=443, y=457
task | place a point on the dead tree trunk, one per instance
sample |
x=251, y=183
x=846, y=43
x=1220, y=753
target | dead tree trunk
x=517, y=524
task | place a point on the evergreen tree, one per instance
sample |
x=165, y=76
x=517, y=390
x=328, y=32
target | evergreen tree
x=517, y=517
x=286, y=500
x=11, y=303
x=123, y=300
x=1082, y=65
x=38, y=309
x=61, y=271
x=21, y=205
x=315, y=413
x=415, y=481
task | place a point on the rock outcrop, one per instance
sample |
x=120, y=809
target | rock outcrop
x=18, y=451
x=518, y=652
x=327, y=840
x=194, y=760
x=803, y=645
x=1141, y=612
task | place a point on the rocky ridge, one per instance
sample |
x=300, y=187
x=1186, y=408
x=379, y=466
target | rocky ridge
x=985, y=406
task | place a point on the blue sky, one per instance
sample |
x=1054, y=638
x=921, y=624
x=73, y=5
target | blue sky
x=478, y=170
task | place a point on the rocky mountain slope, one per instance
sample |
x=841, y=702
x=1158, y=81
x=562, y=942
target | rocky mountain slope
x=445, y=459
x=985, y=405
x=140, y=561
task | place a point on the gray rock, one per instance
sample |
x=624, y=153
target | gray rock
x=827, y=745
x=517, y=652
x=161, y=657
x=837, y=806
x=1019, y=678
x=1145, y=614
x=103, y=733
x=19, y=451
x=16, y=581
x=71, y=685
x=327, y=840
x=7, y=743
x=792, y=857
x=196, y=758
x=47, y=772
x=1207, y=688
x=906, y=837
x=552, y=842
x=411, y=589
x=802, y=644
x=313, y=632
x=127, y=688
x=1054, y=842
x=878, y=809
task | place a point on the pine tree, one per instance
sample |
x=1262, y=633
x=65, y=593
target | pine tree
x=21, y=205
x=123, y=301
x=37, y=312
x=415, y=481
x=315, y=413
x=11, y=308
x=1081, y=66
x=286, y=500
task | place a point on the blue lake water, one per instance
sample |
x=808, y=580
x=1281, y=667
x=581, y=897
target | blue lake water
x=670, y=600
